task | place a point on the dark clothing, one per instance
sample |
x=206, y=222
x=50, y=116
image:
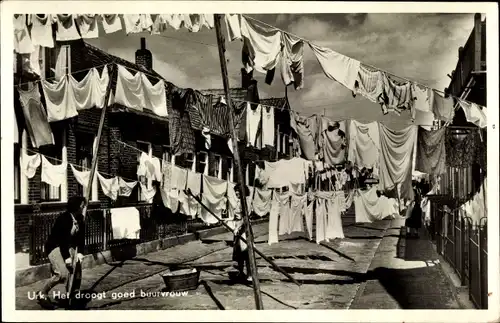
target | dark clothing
x=415, y=219
x=61, y=237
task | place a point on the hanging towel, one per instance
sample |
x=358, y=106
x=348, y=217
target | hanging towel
x=308, y=214
x=89, y=92
x=333, y=147
x=29, y=164
x=148, y=193
x=396, y=156
x=129, y=89
x=442, y=107
x=233, y=26
x=41, y=30
x=334, y=221
x=292, y=61
x=286, y=172
x=53, y=175
x=321, y=219
x=155, y=97
x=22, y=39
x=364, y=144
x=87, y=24
x=253, y=123
x=111, y=23
x=431, y=151
x=110, y=187
x=82, y=177
x=214, y=197
x=99, y=86
x=423, y=114
x=369, y=207
x=125, y=223
x=296, y=219
x=189, y=205
x=149, y=167
x=59, y=100
x=66, y=28
x=261, y=46
x=125, y=188
x=262, y=201
x=307, y=130
x=337, y=66
x=37, y=123
x=284, y=213
x=474, y=113
x=268, y=126
x=179, y=178
x=137, y=23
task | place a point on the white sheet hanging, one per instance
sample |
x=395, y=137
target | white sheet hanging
x=53, y=175
x=110, y=187
x=125, y=223
x=111, y=23
x=268, y=126
x=125, y=188
x=233, y=26
x=337, y=66
x=423, y=114
x=129, y=90
x=41, y=30
x=59, y=100
x=136, y=23
x=88, y=25
x=253, y=122
x=155, y=96
x=369, y=207
x=474, y=113
x=285, y=172
x=22, y=39
x=66, y=28
x=82, y=177
x=364, y=144
x=214, y=197
x=29, y=164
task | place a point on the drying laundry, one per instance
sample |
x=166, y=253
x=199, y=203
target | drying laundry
x=296, y=217
x=474, y=113
x=111, y=23
x=262, y=201
x=261, y=46
x=308, y=214
x=253, y=123
x=91, y=91
x=292, y=61
x=431, y=151
x=395, y=96
x=307, y=130
x=125, y=188
x=36, y=119
x=159, y=24
x=82, y=177
x=155, y=98
x=59, y=99
x=194, y=22
x=233, y=26
x=66, y=28
x=396, y=156
x=125, y=223
x=369, y=207
x=147, y=192
x=369, y=83
x=214, y=197
x=87, y=24
x=174, y=20
x=337, y=66
x=109, y=186
x=274, y=216
x=182, y=137
x=29, y=164
x=321, y=217
x=334, y=228
x=286, y=172
x=179, y=178
x=136, y=23
x=268, y=126
x=189, y=205
x=364, y=144
x=233, y=203
x=150, y=167
x=208, y=20
x=22, y=39
x=129, y=90
x=41, y=30
x=423, y=114
x=442, y=107
x=53, y=175
x=332, y=145
x=284, y=213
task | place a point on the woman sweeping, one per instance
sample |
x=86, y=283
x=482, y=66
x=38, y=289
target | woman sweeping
x=67, y=233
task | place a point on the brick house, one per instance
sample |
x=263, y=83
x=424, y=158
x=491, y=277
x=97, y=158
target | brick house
x=36, y=201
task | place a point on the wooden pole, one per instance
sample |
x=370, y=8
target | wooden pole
x=253, y=265
x=92, y=173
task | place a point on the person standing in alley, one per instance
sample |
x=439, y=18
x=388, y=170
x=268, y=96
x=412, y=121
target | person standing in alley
x=414, y=221
x=67, y=233
x=240, y=248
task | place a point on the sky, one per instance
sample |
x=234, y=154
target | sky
x=422, y=47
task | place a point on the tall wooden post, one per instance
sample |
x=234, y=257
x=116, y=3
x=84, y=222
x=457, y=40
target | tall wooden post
x=237, y=162
x=88, y=190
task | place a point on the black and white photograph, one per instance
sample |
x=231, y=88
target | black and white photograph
x=243, y=157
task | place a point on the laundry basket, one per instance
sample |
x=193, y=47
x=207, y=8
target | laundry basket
x=181, y=280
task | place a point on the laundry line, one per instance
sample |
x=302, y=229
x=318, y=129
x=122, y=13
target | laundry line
x=76, y=165
x=371, y=66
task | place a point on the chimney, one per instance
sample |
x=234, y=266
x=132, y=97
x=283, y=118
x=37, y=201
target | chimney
x=143, y=56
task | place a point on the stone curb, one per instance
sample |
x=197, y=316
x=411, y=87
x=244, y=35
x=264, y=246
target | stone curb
x=36, y=273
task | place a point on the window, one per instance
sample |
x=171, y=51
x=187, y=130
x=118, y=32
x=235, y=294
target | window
x=216, y=168
x=251, y=174
x=55, y=154
x=17, y=173
x=166, y=154
x=146, y=148
x=185, y=161
x=286, y=145
x=201, y=163
x=227, y=169
x=85, y=147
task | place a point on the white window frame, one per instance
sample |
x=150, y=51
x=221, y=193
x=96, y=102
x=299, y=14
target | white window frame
x=205, y=161
x=149, y=183
x=231, y=170
x=219, y=165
